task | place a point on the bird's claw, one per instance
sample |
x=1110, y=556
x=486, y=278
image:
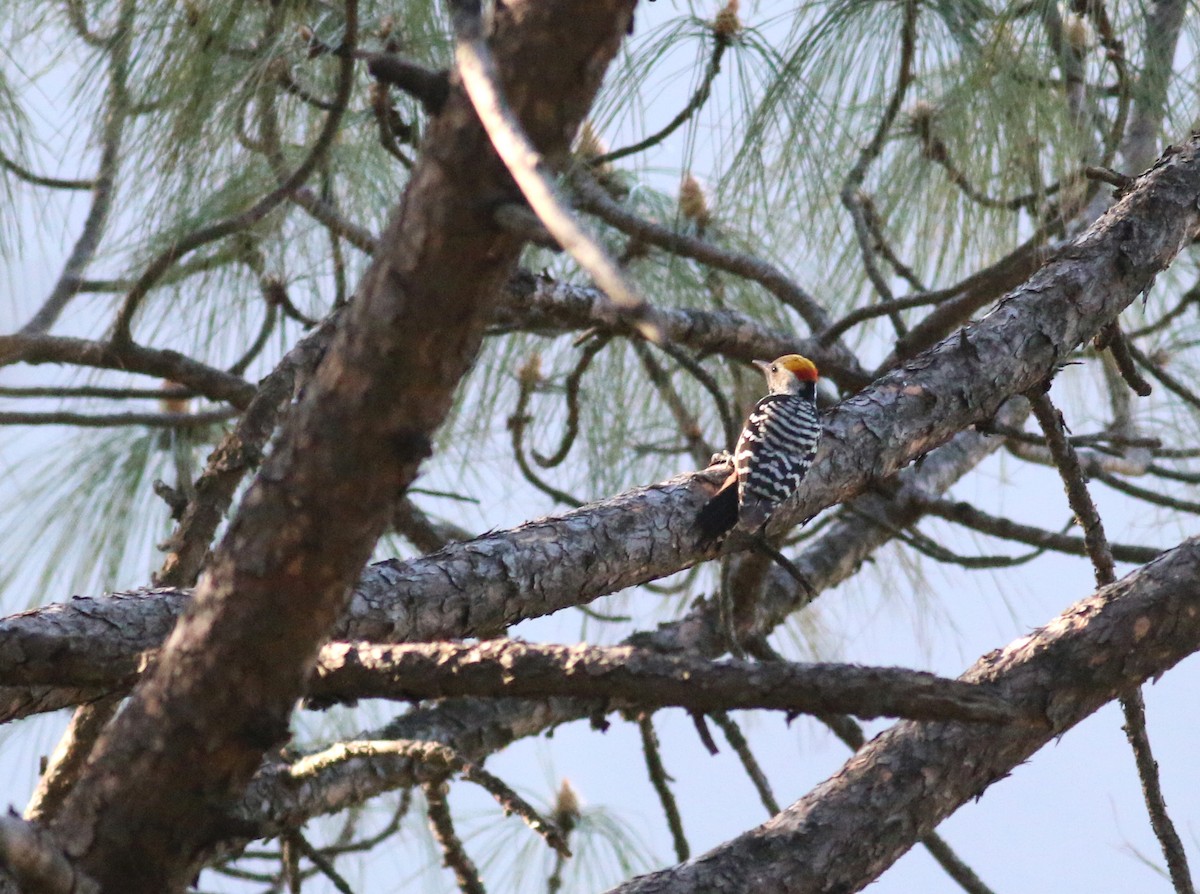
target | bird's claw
x=721, y=458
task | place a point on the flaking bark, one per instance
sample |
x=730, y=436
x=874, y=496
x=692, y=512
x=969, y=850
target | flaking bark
x=895, y=790
x=221, y=693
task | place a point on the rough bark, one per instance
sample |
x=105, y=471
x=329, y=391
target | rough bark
x=196, y=729
x=896, y=789
x=480, y=587
x=640, y=677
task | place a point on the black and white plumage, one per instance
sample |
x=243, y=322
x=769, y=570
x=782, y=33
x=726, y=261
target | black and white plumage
x=773, y=453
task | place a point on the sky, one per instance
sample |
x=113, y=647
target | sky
x=1072, y=818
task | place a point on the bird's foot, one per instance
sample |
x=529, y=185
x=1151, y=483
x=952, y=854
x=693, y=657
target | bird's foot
x=721, y=458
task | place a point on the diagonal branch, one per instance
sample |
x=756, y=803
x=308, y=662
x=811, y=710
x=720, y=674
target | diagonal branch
x=903, y=783
x=196, y=727
x=1132, y=705
x=213, y=383
x=479, y=588
x=119, y=47
x=481, y=81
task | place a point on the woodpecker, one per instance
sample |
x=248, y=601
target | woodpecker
x=773, y=453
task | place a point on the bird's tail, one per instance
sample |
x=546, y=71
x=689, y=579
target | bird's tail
x=718, y=516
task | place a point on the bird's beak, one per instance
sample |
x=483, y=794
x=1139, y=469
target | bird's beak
x=763, y=365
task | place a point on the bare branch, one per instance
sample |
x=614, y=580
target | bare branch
x=661, y=782
x=481, y=81
x=1131, y=702
x=69, y=757
x=1172, y=848
x=739, y=744
x=213, y=383
x=454, y=855
x=239, y=451
x=1007, y=529
x=698, y=99
x=1115, y=639
x=642, y=678
x=117, y=420
x=29, y=176
x=119, y=47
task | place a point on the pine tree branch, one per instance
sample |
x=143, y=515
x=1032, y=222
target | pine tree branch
x=639, y=677
x=645, y=534
x=920, y=772
x=119, y=48
x=357, y=437
x=205, y=380
x=660, y=780
x=162, y=263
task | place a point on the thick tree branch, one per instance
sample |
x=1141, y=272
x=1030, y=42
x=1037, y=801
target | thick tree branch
x=480, y=587
x=197, y=727
x=895, y=790
x=642, y=678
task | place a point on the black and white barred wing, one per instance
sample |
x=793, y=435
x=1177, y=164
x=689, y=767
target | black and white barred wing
x=774, y=453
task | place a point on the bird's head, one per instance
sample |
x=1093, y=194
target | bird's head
x=788, y=374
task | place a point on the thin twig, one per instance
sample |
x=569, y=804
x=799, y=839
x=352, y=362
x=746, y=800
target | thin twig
x=92, y=391
x=741, y=747
x=454, y=855
x=517, y=424
x=1142, y=493
x=997, y=526
x=214, y=384
x=571, y=387
x=1119, y=347
x=685, y=420
x=481, y=81
x=239, y=366
x=720, y=44
x=104, y=186
x=155, y=269
x=322, y=863
x=24, y=173
x=953, y=864
x=1131, y=703
x=328, y=216
x=117, y=420
x=1134, y=709
x=660, y=780
x=729, y=422
x=875, y=226
x=1168, y=381
x=1080, y=501
x=861, y=314
x=434, y=762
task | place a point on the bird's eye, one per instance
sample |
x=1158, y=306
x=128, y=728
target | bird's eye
x=774, y=368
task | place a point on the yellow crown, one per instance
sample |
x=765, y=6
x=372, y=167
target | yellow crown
x=801, y=367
